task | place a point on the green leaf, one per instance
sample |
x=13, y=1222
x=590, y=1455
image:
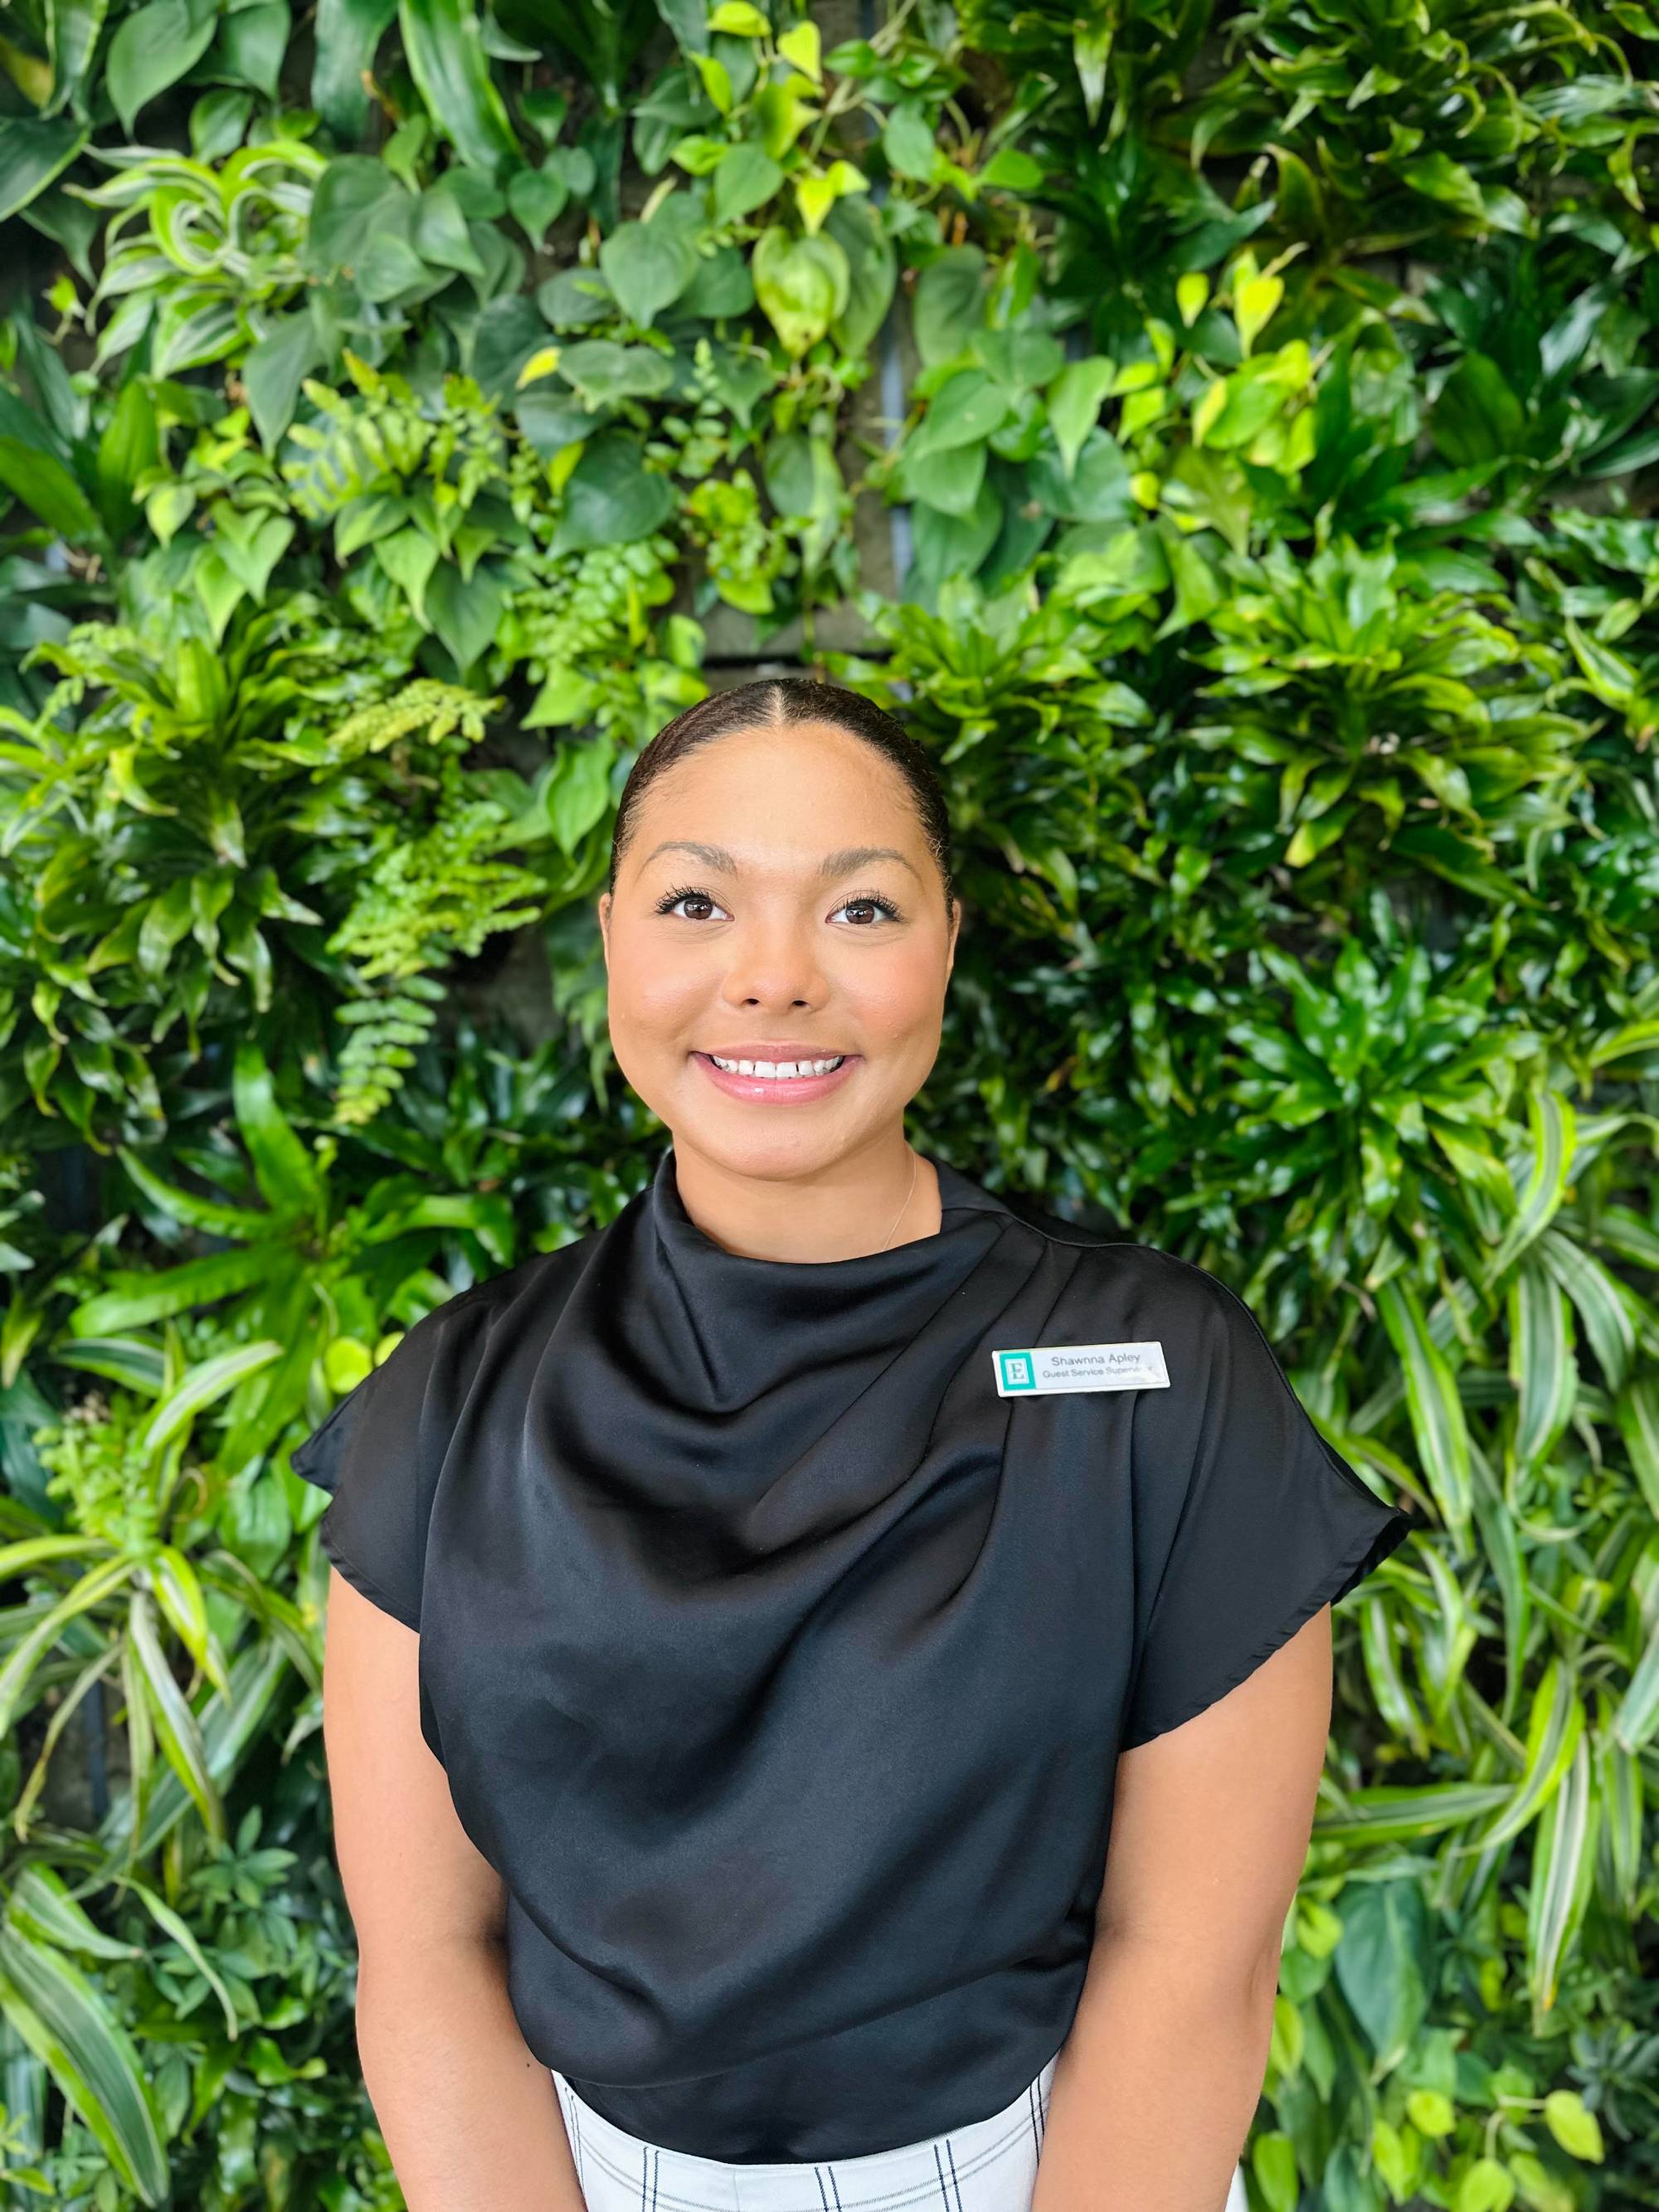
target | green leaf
x=72, y=29
x=218, y=122
x=550, y=419
x=647, y=266
x=1010, y=171
x=1379, y=1963
x=250, y=44
x=949, y=306
x=409, y=558
x=152, y=48
x=348, y=35
x=43, y=1632
x=1429, y=2113
x=1478, y=416
x=578, y=791
x=1574, y=2126
x=354, y=196
x=220, y=593
x=949, y=481
x=604, y=372
x=802, y=285
x=465, y=611
x=612, y=498
x=78, y=2036
x=1486, y=2187
x=443, y=42
x=261, y=1672
x=191, y=334
x=1025, y=361
x=855, y=225
x=40, y=1906
x=1436, y=1411
x=538, y=197
x=1562, y=1873
x=1273, y=2162
x=33, y=150
x=46, y=487
x=1440, y=178
x=907, y=142
x=271, y=371
x=1075, y=401
x=175, y=1723
x=440, y=232
x=176, y=1204
x=140, y=1297
x=283, y=1169
x=964, y=411
x=172, y=1924
x=746, y=179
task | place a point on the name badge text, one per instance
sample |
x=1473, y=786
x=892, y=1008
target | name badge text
x=1044, y=1369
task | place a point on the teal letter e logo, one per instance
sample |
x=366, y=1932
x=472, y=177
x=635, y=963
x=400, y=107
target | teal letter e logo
x=1015, y=1369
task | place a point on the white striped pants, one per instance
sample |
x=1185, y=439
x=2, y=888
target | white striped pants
x=989, y=2166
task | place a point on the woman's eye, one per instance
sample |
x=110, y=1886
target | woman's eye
x=699, y=904
x=868, y=909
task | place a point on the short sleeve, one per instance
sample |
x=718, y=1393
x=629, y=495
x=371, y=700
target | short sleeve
x=376, y=1455
x=1271, y=1524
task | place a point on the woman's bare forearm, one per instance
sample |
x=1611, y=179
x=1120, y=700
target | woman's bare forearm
x=470, y=2115
x=1155, y=2089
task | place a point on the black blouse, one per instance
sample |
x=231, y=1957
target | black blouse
x=778, y=1659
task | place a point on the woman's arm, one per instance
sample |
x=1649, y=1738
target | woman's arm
x=1154, y=2091
x=469, y=2115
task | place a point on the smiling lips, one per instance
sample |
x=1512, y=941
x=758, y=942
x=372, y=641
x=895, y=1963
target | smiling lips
x=795, y=1076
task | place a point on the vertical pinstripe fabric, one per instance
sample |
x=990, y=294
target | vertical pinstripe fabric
x=988, y=2166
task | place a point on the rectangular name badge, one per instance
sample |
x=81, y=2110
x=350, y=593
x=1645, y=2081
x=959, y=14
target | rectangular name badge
x=1053, y=1367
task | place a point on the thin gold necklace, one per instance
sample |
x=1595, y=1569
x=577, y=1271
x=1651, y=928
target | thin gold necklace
x=915, y=1162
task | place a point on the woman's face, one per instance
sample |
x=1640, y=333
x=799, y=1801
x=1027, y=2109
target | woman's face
x=777, y=904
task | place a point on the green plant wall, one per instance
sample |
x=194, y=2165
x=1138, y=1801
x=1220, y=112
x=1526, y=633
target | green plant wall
x=1229, y=434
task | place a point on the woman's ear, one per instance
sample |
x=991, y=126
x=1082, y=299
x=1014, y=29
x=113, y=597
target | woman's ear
x=956, y=928
x=603, y=911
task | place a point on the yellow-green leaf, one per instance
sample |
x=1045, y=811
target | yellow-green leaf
x=1208, y=409
x=541, y=362
x=1254, y=306
x=801, y=44
x=1574, y=2126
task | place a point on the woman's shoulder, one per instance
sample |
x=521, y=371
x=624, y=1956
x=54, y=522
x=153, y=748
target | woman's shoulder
x=1107, y=1255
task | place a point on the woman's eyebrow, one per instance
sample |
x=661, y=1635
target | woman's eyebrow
x=835, y=864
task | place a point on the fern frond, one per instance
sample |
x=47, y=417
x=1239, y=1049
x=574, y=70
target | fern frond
x=437, y=710
x=385, y=1034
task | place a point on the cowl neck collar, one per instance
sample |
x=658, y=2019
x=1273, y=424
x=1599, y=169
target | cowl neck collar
x=730, y=1326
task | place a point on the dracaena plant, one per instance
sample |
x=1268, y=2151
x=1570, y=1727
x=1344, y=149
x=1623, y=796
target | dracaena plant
x=170, y=1513
x=1384, y=711
x=115, y=1593
x=1445, y=110
x=297, y=1276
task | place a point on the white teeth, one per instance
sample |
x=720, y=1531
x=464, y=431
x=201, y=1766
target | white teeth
x=777, y=1071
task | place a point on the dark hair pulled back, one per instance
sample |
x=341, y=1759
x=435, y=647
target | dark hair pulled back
x=774, y=702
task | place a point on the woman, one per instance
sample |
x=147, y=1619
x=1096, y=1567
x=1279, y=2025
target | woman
x=750, y=1620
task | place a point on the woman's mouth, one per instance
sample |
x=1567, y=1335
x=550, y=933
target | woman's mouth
x=777, y=1082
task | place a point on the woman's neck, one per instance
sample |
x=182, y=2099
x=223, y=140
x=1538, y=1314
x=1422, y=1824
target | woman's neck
x=883, y=1194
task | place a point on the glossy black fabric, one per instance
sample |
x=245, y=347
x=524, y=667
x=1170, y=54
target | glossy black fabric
x=780, y=1665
